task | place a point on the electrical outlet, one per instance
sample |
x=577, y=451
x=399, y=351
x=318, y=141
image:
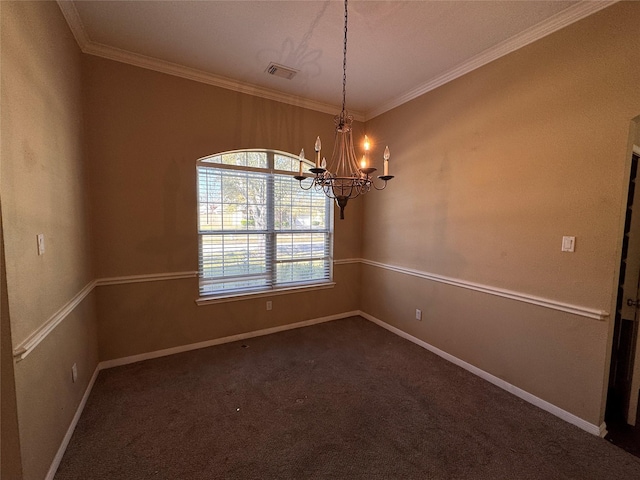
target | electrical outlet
x=74, y=373
x=418, y=314
x=269, y=305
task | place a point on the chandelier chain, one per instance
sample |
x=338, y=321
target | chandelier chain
x=344, y=178
x=344, y=61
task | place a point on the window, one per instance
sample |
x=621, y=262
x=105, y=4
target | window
x=258, y=230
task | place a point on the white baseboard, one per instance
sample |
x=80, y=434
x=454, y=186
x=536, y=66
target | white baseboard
x=72, y=426
x=603, y=430
x=218, y=341
x=600, y=430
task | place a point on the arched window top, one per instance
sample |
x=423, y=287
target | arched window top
x=267, y=160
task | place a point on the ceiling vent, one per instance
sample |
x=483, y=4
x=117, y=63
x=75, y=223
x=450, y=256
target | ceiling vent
x=281, y=71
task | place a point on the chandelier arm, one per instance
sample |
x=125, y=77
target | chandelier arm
x=349, y=185
x=326, y=188
x=384, y=185
x=358, y=193
x=302, y=179
x=329, y=194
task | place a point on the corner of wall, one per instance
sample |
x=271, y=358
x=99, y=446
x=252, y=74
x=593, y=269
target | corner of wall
x=10, y=459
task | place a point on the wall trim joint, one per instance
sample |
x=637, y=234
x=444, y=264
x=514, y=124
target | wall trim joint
x=26, y=346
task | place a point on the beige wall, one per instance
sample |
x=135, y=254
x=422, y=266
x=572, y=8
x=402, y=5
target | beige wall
x=145, y=132
x=492, y=170
x=144, y=317
x=43, y=191
x=42, y=172
x=47, y=398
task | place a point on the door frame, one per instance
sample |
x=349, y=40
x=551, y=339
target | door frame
x=634, y=386
x=633, y=147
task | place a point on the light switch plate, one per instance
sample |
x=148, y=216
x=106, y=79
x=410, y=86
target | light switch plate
x=568, y=244
x=40, y=238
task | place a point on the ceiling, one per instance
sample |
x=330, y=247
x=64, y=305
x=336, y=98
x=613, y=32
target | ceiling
x=397, y=50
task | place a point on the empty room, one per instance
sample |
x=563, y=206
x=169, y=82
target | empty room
x=319, y=239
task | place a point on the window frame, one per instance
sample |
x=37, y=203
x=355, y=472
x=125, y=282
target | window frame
x=270, y=233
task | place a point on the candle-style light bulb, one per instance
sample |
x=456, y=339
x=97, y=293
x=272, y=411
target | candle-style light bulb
x=323, y=164
x=317, y=147
x=386, y=156
x=367, y=144
x=301, y=156
x=363, y=162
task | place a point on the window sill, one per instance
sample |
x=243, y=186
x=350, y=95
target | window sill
x=232, y=297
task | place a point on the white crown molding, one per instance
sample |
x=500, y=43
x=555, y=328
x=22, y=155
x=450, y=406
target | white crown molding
x=169, y=68
x=569, y=417
x=112, y=53
x=499, y=292
x=72, y=17
x=552, y=24
x=530, y=35
x=32, y=341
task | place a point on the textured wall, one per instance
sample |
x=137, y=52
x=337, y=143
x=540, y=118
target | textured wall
x=144, y=317
x=145, y=131
x=42, y=172
x=492, y=170
x=43, y=191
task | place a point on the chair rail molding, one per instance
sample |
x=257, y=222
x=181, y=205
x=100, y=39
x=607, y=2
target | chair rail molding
x=500, y=292
x=21, y=351
x=25, y=347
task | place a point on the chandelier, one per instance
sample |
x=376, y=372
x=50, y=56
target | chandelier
x=344, y=178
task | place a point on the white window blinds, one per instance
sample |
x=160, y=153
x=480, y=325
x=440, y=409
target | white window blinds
x=258, y=229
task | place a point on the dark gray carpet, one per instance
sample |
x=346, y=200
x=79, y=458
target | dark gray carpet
x=344, y=399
